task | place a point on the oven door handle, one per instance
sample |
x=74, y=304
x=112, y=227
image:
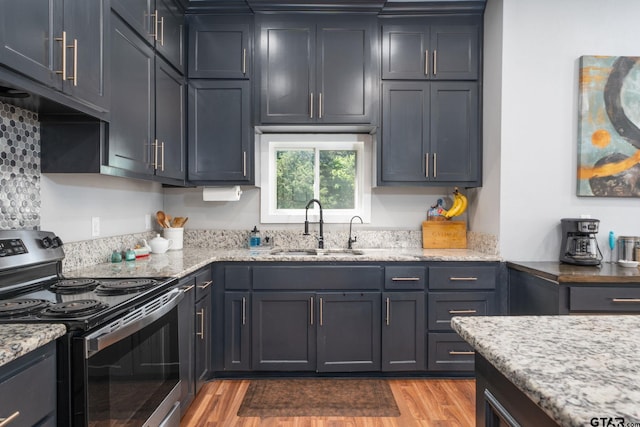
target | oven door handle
x=131, y=322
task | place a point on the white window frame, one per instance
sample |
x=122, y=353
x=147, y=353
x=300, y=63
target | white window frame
x=270, y=143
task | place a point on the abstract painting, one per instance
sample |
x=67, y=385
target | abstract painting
x=609, y=126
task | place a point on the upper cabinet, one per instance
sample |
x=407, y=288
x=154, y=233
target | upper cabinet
x=59, y=43
x=317, y=70
x=412, y=51
x=220, y=46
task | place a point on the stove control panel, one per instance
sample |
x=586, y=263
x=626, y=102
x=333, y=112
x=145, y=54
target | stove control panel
x=9, y=247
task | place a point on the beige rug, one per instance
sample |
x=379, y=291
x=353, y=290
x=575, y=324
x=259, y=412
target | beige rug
x=318, y=398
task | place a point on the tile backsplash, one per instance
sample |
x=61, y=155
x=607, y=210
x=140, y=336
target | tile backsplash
x=19, y=168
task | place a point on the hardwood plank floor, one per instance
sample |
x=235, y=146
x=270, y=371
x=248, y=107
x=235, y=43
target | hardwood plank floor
x=422, y=403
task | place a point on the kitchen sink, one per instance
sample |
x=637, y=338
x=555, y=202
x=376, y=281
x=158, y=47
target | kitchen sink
x=316, y=252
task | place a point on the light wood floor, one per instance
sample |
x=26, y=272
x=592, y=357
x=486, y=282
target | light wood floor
x=422, y=403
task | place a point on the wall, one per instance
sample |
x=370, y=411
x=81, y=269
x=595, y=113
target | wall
x=542, y=41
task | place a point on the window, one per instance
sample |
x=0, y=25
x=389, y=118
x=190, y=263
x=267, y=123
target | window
x=333, y=168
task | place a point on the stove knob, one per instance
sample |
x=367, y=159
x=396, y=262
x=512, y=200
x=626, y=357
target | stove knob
x=57, y=242
x=46, y=242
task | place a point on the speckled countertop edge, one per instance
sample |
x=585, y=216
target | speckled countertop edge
x=574, y=367
x=18, y=339
x=183, y=262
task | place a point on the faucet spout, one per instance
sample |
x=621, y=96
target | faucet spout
x=351, y=241
x=321, y=222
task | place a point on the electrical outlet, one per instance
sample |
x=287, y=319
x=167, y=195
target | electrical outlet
x=95, y=226
x=147, y=222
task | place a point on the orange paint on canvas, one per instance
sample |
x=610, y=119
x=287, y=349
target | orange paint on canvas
x=601, y=138
x=609, y=168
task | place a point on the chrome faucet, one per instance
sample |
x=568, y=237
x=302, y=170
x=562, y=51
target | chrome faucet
x=351, y=241
x=306, y=222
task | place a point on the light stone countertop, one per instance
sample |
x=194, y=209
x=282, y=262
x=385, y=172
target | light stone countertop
x=18, y=339
x=573, y=367
x=183, y=262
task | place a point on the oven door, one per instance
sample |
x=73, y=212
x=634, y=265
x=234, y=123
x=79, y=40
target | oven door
x=132, y=368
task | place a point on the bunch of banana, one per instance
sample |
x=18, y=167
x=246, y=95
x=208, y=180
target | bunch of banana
x=459, y=205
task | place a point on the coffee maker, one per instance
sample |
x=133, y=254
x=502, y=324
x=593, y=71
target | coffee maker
x=579, y=245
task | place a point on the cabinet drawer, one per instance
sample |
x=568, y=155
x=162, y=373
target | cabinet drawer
x=449, y=352
x=463, y=277
x=237, y=277
x=604, y=299
x=405, y=277
x=444, y=305
x=317, y=277
x=32, y=375
x=203, y=283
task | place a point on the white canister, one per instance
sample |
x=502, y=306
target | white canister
x=175, y=234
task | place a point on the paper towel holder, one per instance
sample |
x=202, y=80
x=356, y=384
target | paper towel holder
x=221, y=194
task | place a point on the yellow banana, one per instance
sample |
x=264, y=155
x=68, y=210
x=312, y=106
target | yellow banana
x=465, y=202
x=457, y=204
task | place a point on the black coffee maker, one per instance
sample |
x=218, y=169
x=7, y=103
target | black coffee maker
x=579, y=245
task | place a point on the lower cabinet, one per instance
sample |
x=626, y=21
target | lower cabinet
x=28, y=389
x=202, y=327
x=237, y=338
x=403, y=331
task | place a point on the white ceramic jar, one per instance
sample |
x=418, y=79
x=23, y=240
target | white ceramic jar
x=160, y=245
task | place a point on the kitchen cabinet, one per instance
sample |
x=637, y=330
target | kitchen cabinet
x=203, y=281
x=160, y=23
x=186, y=336
x=146, y=131
x=32, y=375
x=430, y=49
x=220, y=47
x=220, y=138
x=430, y=133
x=237, y=331
x=317, y=69
x=61, y=44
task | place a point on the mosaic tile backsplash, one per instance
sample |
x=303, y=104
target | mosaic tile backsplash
x=19, y=168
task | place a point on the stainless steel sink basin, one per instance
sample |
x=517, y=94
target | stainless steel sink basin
x=316, y=252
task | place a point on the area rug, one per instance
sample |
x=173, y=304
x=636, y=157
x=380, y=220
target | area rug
x=318, y=398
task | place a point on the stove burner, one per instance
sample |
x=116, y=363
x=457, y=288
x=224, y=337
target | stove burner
x=126, y=286
x=21, y=306
x=72, y=286
x=81, y=307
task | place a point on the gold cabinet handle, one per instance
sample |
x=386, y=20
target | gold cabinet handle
x=162, y=156
x=320, y=105
x=435, y=165
x=201, y=314
x=155, y=154
x=461, y=353
x=623, y=300
x=63, y=39
x=463, y=279
x=187, y=288
x=311, y=311
x=426, y=165
x=6, y=421
x=311, y=105
x=435, y=62
x=426, y=62
x=244, y=61
x=244, y=311
x=463, y=311
x=162, y=31
x=388, y=311
x=244, y=163
x=405, y=279
x=321, y=311
x=205, y=285
x=155, y=25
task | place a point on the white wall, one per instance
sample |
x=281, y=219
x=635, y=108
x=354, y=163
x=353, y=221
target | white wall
x=70, y=201
x=542, y=41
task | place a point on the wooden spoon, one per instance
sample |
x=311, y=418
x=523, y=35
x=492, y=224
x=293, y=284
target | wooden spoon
x=161, y=218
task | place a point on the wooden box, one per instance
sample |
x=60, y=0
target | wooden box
x=444, y=234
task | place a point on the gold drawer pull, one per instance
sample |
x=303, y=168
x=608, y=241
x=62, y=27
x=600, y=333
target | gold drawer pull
x=463, y=311
x=405, y=279
x=187, y=288
x=9, y=419
x=463, y=279
x=634, y=300
x=205, y=285
x=461, y=353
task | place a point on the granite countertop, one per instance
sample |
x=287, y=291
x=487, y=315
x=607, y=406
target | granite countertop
x=18, y=339
x=559, y=272
x=183, y=262
x=573, y=367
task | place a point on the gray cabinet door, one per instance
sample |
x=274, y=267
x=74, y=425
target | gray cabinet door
x=186, y=324
x=203, y=341
x=219, y=132
x=455, y=132
x=406, y=52
x=403, y=331
x=287, y=62
x=28, y=33
x=237, y=338
x=131, y=130
x=170, y=33
x=348, y=331
x=220, y=47
x=456, y=52
x=170, y=145
x=404, y=149
x=284, y=331
x=139, y=14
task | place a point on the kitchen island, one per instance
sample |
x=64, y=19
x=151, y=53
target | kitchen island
x=555, y=370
